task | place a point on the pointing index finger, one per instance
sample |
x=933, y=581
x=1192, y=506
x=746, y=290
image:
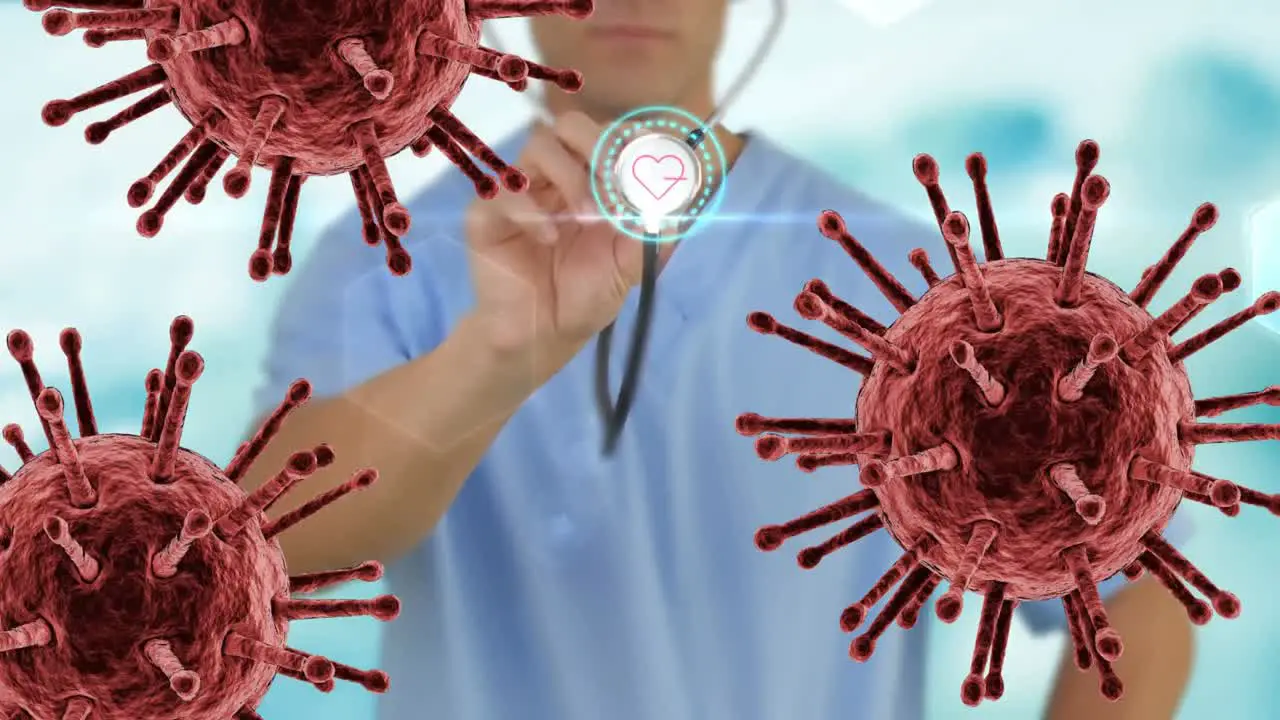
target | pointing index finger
x=579, y=134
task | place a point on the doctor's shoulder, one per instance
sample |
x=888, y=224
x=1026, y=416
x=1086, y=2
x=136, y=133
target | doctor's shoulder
x=846, y=221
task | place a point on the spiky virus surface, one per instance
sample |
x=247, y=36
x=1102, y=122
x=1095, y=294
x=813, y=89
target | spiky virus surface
x=141, y=581
x=1025, y=429
x=303, y=89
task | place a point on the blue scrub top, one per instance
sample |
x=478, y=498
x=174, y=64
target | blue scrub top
x=566, y=586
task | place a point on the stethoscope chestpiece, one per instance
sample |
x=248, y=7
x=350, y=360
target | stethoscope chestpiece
x=654, y=172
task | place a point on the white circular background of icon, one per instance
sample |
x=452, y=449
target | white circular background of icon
x=658, y=174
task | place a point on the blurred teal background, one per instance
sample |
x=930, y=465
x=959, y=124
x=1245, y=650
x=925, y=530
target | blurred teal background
x=1184, y=98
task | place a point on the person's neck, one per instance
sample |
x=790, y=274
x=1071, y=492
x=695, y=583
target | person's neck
x=702, y=106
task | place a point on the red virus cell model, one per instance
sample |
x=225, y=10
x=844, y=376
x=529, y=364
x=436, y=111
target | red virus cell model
x=1025, y=429
x=303, y=89
x=140, y=581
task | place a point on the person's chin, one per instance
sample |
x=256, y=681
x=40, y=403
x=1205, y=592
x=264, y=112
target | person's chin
x=632, y=87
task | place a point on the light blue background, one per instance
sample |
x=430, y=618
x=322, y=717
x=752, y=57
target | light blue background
x=1183, y=97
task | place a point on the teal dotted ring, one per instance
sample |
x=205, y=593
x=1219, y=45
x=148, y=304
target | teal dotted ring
x=671, y=121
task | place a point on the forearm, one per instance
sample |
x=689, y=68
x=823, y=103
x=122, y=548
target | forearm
x=424, y=426
x=1155, y=666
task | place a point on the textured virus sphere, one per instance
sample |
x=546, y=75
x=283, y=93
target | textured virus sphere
x=303, y=88
x=1025, y=429
x=141, y=582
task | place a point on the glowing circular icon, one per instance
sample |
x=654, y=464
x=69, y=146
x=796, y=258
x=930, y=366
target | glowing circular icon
x=655, y=171
x=1264, y=246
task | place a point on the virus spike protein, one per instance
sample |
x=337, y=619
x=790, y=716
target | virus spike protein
x=337, y=93
x=1025, y=428
x=109, y=521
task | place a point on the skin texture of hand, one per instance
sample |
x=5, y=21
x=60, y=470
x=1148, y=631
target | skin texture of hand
x=547, y=270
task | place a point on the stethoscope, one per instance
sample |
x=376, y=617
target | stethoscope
x=657, y=230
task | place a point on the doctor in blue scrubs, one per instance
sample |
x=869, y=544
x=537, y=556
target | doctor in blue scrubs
x=542, y=580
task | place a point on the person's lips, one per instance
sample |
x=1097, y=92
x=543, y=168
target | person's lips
x=630, y=33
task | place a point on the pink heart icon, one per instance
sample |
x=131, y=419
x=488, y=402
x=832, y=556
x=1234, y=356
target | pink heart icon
x=658, y=175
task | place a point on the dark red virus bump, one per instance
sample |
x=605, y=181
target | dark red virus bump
x=141, y=582
x=303, y=92
x=1025, y=429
